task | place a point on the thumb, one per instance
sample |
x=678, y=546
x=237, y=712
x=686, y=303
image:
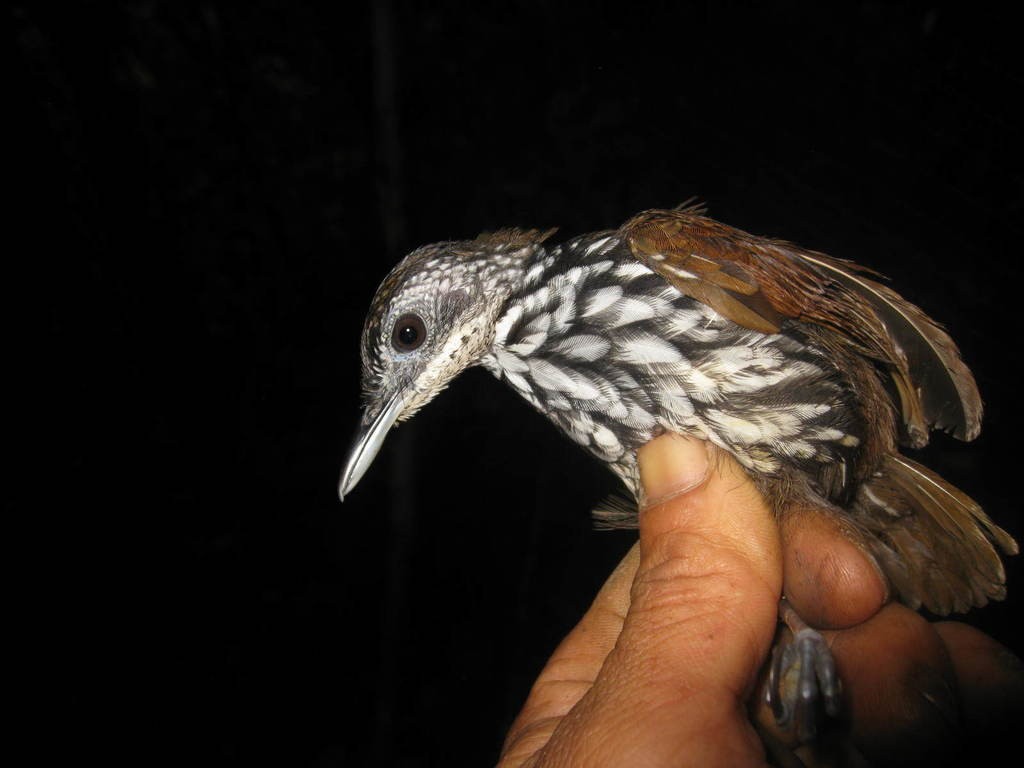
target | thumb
x=705, y=597
x=701, y=614
x=710, y=572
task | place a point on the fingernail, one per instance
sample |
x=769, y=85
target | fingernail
x=671, y=465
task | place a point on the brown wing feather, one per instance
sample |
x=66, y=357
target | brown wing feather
x=682, y=249
x=757, y=283
x=947, y=395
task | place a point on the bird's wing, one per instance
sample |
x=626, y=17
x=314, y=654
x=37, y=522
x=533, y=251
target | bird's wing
x=758, y=283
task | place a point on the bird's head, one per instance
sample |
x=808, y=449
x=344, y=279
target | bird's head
x=430, y=319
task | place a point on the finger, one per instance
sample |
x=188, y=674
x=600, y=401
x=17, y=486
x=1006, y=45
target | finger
x=827, y=578
x=702, y=614
x=573, y=667
x=709, y=554
x=901, y=687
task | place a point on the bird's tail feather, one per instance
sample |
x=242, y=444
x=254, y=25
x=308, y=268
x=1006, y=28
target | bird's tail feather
x=937, y=547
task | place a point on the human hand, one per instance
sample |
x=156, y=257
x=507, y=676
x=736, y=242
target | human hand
x=664, y=666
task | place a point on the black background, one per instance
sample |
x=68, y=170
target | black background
x=215, y=190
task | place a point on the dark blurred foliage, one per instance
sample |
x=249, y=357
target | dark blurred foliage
x=214, y=190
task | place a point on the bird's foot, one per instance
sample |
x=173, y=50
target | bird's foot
x=802, y=679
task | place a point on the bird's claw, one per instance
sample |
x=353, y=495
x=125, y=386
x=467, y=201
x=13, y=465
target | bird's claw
x=802, y=675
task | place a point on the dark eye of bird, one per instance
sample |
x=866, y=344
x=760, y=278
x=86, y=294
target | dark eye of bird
x=409, y=333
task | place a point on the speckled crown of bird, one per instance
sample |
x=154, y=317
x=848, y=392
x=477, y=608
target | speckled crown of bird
x=802, y=366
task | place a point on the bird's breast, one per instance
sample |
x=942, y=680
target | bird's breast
x=614, y=356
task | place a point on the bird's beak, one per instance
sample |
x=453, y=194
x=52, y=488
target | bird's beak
x=369, y=439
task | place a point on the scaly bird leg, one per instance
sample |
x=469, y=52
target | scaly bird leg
x=802, y=673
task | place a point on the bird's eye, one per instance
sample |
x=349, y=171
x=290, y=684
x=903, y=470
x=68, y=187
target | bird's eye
x=409, y=333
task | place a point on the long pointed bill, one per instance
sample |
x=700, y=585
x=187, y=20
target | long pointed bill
x=368, y=442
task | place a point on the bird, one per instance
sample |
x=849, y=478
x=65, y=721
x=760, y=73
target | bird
x=807, y=369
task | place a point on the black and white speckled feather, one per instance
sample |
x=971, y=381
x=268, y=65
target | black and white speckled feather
x=613, y=355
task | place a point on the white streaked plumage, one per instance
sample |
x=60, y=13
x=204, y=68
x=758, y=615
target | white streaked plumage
x=629, y=310
x=630, y=270
x=585, y=347
x=601, y=299
x=644, y=348
x=598, y=246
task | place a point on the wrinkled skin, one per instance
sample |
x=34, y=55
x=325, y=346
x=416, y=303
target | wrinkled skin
x=666, y=668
